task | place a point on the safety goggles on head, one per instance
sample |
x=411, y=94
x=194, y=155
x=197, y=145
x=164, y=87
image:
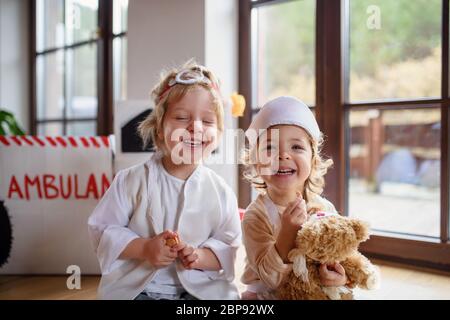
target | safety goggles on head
x=189, y=77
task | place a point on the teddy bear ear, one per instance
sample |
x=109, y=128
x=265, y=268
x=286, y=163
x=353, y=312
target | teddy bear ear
x=361, y=229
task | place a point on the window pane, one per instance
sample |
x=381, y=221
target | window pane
x=50, y=129
x=49, y=24
x=120, y=68
x=81, y=20
x=283, y=41
x=395, y=49
x=81, y=79
x=85, y=128
x=395, y=169
x=50, y=85
x=120, y=16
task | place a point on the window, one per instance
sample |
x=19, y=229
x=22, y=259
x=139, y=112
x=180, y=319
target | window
x=394, y=169
x=283, y=38
x=378, y=75
x=395, y=49
x=120, y=25
x=395, y=152
x=72, y=58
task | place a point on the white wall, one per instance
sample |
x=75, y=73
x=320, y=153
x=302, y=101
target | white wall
x=165, y=33
x=14, y=59
x=221, y=55
x=161, y=34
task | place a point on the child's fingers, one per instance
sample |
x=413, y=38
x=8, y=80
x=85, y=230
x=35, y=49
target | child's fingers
x=323, y=272
x=167, y=257
x=295, y=212
x=165, y=262
x=188, y=250
x=328, y=274
x=298, y=212
x=301, y=204
x=172, y=254
x=191, y=258
x=185, y=264
x=169, y=252
x=167, y=234
x=192, y=265
x=180, y=246
x=291, y=206
x=339, y=268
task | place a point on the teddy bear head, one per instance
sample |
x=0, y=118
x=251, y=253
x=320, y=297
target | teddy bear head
x=330, y=238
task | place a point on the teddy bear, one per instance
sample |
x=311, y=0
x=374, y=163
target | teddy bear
x=327, y=238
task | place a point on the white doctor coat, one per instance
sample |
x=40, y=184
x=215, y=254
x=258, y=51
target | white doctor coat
x=131, y=208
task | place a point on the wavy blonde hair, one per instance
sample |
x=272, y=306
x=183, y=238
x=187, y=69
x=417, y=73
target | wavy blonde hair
x=162, y=97
x=314, y=184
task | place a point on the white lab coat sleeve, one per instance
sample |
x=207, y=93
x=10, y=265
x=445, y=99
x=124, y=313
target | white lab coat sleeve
x=226, y=240
x=108, y=223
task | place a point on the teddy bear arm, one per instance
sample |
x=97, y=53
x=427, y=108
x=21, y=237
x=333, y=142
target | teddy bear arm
x=360, y=272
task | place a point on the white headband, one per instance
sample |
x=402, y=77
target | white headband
x=284, y=110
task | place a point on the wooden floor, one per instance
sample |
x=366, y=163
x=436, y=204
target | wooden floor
x=400, y=283
x=397, y=283
x=46, y=288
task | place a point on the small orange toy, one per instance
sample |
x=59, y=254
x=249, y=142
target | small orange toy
x=237, y=105
x=171, y=242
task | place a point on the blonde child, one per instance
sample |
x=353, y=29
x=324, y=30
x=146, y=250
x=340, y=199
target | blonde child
x=169, y=228
x=285, y=165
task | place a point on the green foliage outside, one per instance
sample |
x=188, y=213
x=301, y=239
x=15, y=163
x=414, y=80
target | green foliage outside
x=401, y=59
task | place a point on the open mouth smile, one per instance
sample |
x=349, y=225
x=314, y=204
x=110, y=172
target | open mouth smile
x=285, y=172
x=194, y=143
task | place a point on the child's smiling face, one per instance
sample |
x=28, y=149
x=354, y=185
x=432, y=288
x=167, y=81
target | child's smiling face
x=285, y=154
x=189, y=128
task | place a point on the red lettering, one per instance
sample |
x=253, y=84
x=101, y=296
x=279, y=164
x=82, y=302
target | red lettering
x=50, y=186
x=49, y=180
x=69, y=186
x=105, y=183
x=77, y=195
x=31, y=182
x=14, y=187
x=92, y=187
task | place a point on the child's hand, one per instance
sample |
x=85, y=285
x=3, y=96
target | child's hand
x=197, y=258
x=187, y=254
x=332, y=275
x=157, y=253
x=294, y=215
x=292, y=219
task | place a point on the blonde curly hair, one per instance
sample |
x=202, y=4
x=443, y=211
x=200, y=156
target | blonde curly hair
x=314, y=184
x=163, y=95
